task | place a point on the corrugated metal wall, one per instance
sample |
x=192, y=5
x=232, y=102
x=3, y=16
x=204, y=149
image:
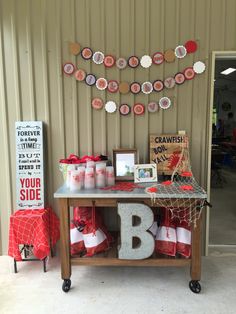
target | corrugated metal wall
x=34, y=38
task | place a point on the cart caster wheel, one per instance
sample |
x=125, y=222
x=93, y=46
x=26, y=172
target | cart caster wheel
x=66, y=285
x=195, y=286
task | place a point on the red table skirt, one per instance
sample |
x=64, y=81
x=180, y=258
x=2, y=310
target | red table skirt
x=38, y=227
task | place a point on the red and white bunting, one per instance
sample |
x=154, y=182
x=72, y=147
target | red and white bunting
x=133, y=62
x=121, y=63
x=109, y=61
x=189, y=73
x=113, y=86
x=152, y=107
x=199, y=67
x=86, y=53
x=124, y=109
x=80, y=75
x=180, y=52
x=97, y=103
x=158, y=86
x=165, y=103
x=139, y=109
x=90, y=79
x=179, y=78
x=169, y=82
x=146, y=61
x=158, y=58
x=135, y=88
x=98, y=57
x=110, y=106
x=191, y=46
x=101, y=83
x=68, y=68
x=147, y=87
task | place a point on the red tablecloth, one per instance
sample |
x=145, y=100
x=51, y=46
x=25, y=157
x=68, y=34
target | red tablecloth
x=38, y=227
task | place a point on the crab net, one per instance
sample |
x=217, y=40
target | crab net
x=181, y=195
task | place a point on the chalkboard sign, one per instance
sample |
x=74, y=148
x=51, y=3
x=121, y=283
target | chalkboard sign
x=29, y=165
x=166, y=150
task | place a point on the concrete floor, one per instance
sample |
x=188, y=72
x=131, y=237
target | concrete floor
x=117, y=290
x=223, y=213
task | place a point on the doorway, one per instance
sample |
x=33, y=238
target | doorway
x=221, y=220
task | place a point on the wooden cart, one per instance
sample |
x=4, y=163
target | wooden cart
x=108, y=199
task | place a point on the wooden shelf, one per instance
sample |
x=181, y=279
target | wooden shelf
x=107, y=261
x=110, y=258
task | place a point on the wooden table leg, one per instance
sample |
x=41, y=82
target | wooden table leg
x=196, y=251
x=65, y=243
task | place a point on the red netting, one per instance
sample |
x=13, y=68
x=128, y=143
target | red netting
x=38, y=227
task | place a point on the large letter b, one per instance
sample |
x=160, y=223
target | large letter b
x=128, y=231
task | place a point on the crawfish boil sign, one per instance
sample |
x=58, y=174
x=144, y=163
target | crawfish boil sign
x=166, y=151
x=29, y=165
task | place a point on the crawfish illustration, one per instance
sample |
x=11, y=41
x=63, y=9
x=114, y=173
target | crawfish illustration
x=174, y=159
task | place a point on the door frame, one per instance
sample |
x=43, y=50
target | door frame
x=215, y=55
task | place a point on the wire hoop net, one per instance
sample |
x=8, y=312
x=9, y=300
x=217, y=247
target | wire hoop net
x=182, y=195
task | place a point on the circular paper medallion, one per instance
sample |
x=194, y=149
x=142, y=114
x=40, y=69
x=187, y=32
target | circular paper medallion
x=199, y=67
x=180, y=52
x=109, y=61
x=133, y=62
x=179, y=78
x=98, y=57
x=191, y=46
x=97, y=103
x=158, y=58
x=169, y=82
x=86, y=53
x=164, y=103
x=110, y=106
x=80, y=75
x=135, y=88
x=138, y=109
x=147, y=87
x=124, y=87
x=152, y=106
x=121, y=63
x=169, y=55
x=113, y=86
x=124, y=109
x=101, y=83
x=189, y=73
x=158, y=85
x=68, y=68
x=75, y=48
x=90, y=79
x=146, y=61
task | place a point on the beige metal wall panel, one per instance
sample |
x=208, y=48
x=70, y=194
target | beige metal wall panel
x=34, y=39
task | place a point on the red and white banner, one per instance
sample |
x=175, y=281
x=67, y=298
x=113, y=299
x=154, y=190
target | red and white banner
x=29, y=165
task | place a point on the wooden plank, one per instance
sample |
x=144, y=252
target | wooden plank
x=65, y=238
x=106, y=261
x=195, y=270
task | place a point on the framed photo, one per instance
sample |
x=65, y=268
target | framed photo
x=145, y=173
x=123, y=162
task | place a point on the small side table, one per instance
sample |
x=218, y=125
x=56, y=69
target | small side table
x=37, y=230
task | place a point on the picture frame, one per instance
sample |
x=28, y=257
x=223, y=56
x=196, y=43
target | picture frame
x=123, y=162
x=145, y=173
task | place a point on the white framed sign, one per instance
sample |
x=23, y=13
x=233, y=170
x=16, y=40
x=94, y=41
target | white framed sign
x=29, y=165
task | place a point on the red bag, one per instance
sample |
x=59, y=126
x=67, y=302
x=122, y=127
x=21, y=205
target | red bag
x=95, y=240
x=183, y=232
x=76, y=240
x=166, y=236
